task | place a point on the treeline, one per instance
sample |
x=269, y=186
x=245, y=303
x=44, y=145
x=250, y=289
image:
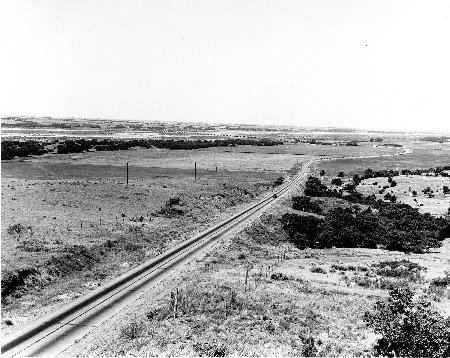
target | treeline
x=31, y=124
x=172, y=144
x=392, y=225
x=11, y=149
x=389, y=173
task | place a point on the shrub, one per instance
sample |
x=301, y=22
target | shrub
x=318, y=269
x=343, y=267
x=408, y=328
x=278, y=276
x=279, y=181
x=441, y=281
x=16, y=280
x=336, y=181
x=309, y=348
x=210, y=349
x=133, y=330
x=400, y=269
x=17, y=229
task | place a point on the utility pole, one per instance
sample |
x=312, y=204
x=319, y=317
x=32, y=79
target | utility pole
x=195, y=170
x=127, y=173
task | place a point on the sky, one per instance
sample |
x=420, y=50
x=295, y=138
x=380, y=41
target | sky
x=382, y=65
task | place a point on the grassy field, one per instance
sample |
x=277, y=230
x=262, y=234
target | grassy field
x=69, y=226
x=421, y=158
x=257, y=295
x=247, y=158
x=437, y=205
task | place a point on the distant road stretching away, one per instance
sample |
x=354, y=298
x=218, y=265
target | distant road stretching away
x=52, y=335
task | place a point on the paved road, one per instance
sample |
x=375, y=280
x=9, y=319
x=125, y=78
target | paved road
x=52, y=335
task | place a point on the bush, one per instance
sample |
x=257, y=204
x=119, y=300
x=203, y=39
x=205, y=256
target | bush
x=409, y=328
x=441, y=281
x=336, y=181
x=400, y=269
x=17, y=229
x=279, y=181
x=278, y=276
x=318, y=269
x=210, y=349
x=133, y=330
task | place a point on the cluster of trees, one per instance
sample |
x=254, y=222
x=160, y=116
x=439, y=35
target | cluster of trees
x=314, y=187
x=10, y=149
x=439, y=139
x=431, y=171
x=393, y=225
x=13, y=148
x=389, y=173
x=31, y=124
x=304, y=203
x=396, y=227
x=116, y=144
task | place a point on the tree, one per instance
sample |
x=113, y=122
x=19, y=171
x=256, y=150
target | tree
x=341, y=174
x=304, y=203
x=322, y=173
x=279, y=181
x=356, y=179
x=409, y=328
x=336, y=181
x=445, y=189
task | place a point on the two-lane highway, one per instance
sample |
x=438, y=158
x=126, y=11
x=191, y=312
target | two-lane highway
x=52, y=335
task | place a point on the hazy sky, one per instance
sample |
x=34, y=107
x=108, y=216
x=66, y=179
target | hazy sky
x=366, y=64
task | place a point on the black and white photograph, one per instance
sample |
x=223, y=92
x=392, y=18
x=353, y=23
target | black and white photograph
x=212, y=178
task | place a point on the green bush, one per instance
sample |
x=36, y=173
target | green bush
x=409, y=328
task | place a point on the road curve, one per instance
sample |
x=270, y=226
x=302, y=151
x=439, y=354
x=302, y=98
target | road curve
x=52, y=335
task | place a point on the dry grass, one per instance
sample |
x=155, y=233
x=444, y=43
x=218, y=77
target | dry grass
x=437, y=205
x=285, y=307
x=85, y=206
x=424, y=156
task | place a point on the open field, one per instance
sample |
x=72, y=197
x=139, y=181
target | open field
x=420, y=159
x=437, y=205
x=68, y=227
x=70, y=224
x=248, y=158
